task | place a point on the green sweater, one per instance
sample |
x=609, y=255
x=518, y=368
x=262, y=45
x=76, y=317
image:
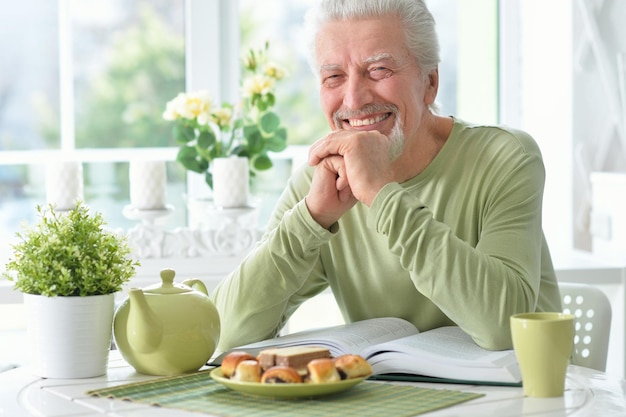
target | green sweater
x=461, y=243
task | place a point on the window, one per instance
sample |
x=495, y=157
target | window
x=90, y=78
x=89, y=74
x=85, y=76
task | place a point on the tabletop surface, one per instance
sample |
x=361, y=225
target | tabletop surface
x=588, y=393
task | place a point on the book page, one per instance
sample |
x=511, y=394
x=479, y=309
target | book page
x=346, y=338
x=450, y=344
x=446, y=352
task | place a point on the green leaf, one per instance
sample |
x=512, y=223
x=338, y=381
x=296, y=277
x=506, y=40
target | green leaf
x=269, y=122
x=215, y=151
x=183, y=133
x=250, y=130
x=254, y=138
x=261, y=103
x=262, y=162
x=240, y=150
x=206, y=139
x=277, y=142
x=189, y=158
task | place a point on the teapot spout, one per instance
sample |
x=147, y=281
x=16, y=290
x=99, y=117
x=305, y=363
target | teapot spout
x=144, y=329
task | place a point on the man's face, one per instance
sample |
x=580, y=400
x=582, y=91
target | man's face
x=369, y=80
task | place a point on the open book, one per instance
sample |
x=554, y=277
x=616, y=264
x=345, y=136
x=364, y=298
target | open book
x=396, y=349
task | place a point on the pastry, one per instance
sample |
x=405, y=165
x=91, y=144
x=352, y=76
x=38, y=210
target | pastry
x=231, y=360
x=352, y=366
x=322, y=371
x=296, y=356
x=247, y=371
x=267, y=358
x=281, y=375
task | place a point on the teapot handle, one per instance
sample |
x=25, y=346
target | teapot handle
x=196, y=284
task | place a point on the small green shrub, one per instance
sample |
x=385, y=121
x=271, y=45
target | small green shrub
x=70, y=254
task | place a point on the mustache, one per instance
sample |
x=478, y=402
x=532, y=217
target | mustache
x=342, y=114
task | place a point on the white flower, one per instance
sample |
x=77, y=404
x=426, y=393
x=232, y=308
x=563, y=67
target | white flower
x=203, y=118
x=171, y=108
x=196, y=105
x=274, y=71
x=258, y=84
x=222, y=117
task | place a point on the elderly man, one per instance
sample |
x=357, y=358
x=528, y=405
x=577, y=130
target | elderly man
x=401, y=212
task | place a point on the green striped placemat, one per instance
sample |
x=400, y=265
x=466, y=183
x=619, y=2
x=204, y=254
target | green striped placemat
x=200, y=393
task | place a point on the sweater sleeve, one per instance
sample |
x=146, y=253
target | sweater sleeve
x=281, y=272
x=482, y=263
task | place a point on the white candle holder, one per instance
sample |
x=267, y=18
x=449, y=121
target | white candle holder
x=231, y=238
x=148, y=181
x=64, y=184
x=147, y=217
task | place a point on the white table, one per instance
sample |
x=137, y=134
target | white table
x=588, y=393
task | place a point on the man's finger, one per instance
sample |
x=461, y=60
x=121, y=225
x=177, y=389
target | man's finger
x=325, y=147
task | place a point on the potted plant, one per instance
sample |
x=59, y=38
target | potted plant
x=250, y=129
x=68, y=266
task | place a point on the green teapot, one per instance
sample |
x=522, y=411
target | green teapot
x=167, y=328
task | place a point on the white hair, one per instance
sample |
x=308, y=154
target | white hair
x=418, y=23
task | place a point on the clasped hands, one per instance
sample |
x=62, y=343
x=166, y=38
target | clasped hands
x=350, y=166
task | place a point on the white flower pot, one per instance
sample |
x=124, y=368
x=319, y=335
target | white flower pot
x=69, y=337
x=231, y=182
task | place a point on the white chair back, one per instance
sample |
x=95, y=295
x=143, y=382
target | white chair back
x=592, y=311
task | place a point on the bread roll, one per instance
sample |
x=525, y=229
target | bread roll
x=231, y=360
x=247, y=371
x=281, y=375
x=322, y=371
x=352, y=366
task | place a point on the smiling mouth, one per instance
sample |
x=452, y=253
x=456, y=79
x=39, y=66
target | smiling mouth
x=367, y=121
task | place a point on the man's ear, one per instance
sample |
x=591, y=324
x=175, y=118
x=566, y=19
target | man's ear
x=432, y=87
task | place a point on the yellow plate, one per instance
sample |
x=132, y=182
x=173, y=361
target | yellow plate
x=285, y=390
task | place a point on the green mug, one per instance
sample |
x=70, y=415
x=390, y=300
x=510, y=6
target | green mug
x=543, y=344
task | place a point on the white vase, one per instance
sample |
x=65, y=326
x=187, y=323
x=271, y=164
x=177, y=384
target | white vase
x=231, y=182
x=69, y=337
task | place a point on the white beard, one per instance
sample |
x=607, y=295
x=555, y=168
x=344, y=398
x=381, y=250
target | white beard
x=396, y=136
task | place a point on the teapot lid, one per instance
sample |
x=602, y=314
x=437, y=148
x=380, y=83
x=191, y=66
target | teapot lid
x=167, y=285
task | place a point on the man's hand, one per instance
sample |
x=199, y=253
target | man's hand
x=365, y=158
x=330, y=195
